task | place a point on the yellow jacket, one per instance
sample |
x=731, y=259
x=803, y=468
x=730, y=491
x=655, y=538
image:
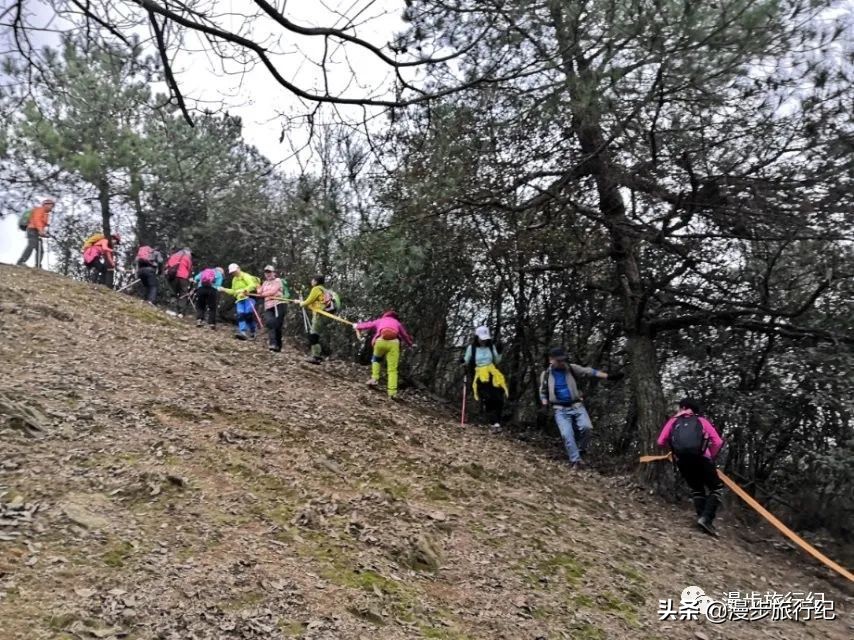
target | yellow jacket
x=315, y=299
x=489, y=373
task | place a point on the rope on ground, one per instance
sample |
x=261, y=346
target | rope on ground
x=771, y=518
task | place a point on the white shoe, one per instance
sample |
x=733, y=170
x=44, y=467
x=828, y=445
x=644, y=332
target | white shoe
x=373, y=383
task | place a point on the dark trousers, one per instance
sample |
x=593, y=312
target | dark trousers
x=491, y=401
x=34, y=243
x=274, y=320
x=180, y=287
x=96, y=271
x=148, y=278
x=700, y=474
x=206, y=300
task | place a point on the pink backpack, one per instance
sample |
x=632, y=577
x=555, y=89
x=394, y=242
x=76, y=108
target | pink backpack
x=207, y=277
x=91, y=254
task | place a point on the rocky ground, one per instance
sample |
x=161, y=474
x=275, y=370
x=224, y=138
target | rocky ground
x=163, y=481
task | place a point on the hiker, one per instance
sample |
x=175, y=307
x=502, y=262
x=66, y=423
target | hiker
x=242, y=284
x=149, y=262
x=695, y=443
x=273, y=290
x=488, y=383
x=208, y=282
x=99, y=257
x=559, y=390
x=317, y=301
x=388, y=333
x=179, y=268
x=35, y=222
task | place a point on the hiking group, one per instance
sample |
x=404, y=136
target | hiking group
x=691, y=438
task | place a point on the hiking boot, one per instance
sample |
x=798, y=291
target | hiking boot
x=200, y=323
x=708, y=516
x=372, y=383
x=212, y=327
x=577, y=466
x=241, y=335
x=706, y=525
x=314, y=359
x=699, y=503
x=252, y=335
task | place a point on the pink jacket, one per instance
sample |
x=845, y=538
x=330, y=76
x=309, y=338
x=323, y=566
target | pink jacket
x=270, y=289
x=387, y=321
x=715, y=441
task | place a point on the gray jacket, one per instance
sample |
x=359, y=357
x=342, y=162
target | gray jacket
x=547, y=382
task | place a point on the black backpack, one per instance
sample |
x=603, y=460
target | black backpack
x=687, y=437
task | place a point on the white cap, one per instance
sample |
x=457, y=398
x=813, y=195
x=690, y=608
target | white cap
x=233, y=267
x=269, y=267
x=482, y=333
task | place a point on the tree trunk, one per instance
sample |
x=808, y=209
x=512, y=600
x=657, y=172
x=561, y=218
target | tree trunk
x=104, y=199
x=645, y=380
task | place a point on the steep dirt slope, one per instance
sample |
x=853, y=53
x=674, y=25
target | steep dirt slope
x=191, y=486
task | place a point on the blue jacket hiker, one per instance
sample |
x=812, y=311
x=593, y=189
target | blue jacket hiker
x=559, y=390
x=242, y=285
x=207, y=282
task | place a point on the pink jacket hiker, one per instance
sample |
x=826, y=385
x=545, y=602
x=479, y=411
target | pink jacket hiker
x=272, y=288
x=714, y=440
x=389, y=324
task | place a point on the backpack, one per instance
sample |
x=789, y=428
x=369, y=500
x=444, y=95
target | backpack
x=145, y=255
x=24, y=220
x=207, y=277
x=687, y=437
x=331, y=301
x=389, y=334
x=173, y=264
x=91, y=240
x=286, y=291
x=91, y=254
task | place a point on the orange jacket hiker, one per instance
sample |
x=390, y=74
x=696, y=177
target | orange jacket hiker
x=40, y=219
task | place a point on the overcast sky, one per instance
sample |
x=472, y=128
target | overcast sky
x=248, y=90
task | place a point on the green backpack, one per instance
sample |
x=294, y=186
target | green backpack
x=286, y=290
x=24, y=220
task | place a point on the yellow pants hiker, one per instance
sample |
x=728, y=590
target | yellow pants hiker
x=390, y=350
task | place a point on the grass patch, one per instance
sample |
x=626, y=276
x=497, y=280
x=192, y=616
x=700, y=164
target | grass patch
x=117, y=553
x=243, y=601
x=292, y=628
x=177, y=411
x=610, y=603
x=396, y=490
x=628, y=572
x=565, y=565
x=582, y=601
x=441, y=633
x=587, y=631
x=149, y=316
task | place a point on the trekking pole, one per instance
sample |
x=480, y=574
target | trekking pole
x=465, y=394
x=257, y=317
x=128, y=286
